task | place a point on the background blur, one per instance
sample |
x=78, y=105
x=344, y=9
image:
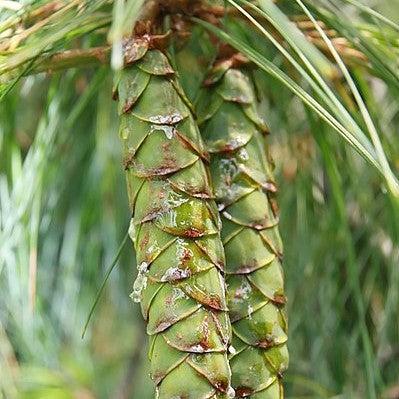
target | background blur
x=64, y=213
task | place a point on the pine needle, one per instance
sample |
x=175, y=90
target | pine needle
x=104, y=282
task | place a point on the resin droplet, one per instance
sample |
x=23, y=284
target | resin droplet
x=174, y=274
x=171, y=119
x=232, y=350
x=168, y=130
x=140, y=283
x=231, y=393
x=142, y=267
x=132, y=231
x=243, y=154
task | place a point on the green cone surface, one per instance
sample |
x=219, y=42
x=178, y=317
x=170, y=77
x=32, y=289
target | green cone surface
x=176, y=233
x=243, y=184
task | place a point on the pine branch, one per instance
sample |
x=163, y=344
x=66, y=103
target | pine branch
x=76, y=58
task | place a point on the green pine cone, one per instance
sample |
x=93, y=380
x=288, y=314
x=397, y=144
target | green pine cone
x=176, y=233
x=243, y=184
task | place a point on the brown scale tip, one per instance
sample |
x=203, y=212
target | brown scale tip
x=270, y=186
x=248, y=267
x=280, y=300
x=192, y=232
x=226, y=52
x=128, y=161
x=275, y=207
x=241, y=392
x=224, y=63
x=214, y=302
x=222, y=385
x=136, y=46
x=128, y=106
x=265, y=343
x=115, y=94
x=228, y=147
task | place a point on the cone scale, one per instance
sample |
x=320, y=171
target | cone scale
x=244, y=186
x=176, y=233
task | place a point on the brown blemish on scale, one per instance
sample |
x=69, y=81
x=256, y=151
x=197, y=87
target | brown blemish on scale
x=214, y=302
x=221, y=329
x=229, y=147
x=144, y=241
x=274, y=206
x=186, y=256
x=242, y=392
x=240, y=100
x=169, y=156
x=204, y=343
x=189, y=189
x=169, y=300
x=162, y=325
x=248, y=268
x=220, y=265
x=189, y=145
x=222, y=385
x=156, y=172
x=151, y=215
x=169, y=160
x=158, y=377
x=192, y=232
x=199, y=194
x=280, y=300
x=260, y=225
x=178, y=274
x=128, y=161
x=263, y=224
x=265, y=344
x=129, y=104
x=115, y=94
x=166, y=147
x=168, y=166
x=264, y=129
x=270, y=186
